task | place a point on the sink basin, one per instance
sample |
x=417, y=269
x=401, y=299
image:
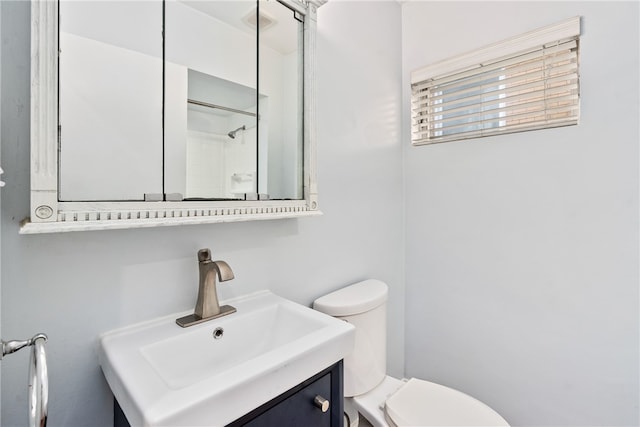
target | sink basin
x=214, y=372
x=193, y=355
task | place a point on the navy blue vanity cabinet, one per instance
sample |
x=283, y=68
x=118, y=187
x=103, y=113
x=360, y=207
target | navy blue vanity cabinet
x=301, y=406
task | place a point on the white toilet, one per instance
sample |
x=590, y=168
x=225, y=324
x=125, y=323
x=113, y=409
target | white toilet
x=381, y=399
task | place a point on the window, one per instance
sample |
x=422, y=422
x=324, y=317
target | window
x=525, y=83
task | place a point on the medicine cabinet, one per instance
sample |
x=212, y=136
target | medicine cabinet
x=166, y=112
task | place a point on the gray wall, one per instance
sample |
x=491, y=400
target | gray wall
x=75, y=286
x=522, y=250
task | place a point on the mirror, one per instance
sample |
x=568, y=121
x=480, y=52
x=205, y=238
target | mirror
x=111, y=94
x=132, y=100
x=172, y=109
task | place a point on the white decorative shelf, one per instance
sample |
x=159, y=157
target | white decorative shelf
x=150, y=219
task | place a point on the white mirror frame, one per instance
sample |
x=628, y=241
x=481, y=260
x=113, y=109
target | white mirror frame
x=48, y=215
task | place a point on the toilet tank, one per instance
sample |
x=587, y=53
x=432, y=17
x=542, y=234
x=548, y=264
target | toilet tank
x=362, y=304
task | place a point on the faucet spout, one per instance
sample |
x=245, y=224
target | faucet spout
x=207, y=304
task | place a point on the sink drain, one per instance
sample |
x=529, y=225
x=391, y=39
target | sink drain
x=217, y=333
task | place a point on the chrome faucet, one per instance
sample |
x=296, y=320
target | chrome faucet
x=207, y=305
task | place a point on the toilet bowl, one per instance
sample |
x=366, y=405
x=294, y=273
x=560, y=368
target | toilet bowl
x=383, y=400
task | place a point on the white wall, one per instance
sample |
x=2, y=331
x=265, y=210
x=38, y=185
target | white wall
x=522, y=250
x=75, y=286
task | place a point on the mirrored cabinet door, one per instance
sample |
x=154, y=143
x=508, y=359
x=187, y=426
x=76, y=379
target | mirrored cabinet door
x=110, y=100
x=211, y=100
x=281, y=71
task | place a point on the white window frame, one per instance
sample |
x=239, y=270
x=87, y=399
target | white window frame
x=469, y=62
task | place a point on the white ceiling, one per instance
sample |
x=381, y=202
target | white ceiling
x=281, y=36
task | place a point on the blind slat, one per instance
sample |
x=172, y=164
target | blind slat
x=571, y=81
x=556, y=62
x=507, y=110
x=497, y=131
x=492, y=93
x=537, y=109
x=550, y=94
x=514, y=59
x=533, y=95
x=486, y=129
x=537, y=74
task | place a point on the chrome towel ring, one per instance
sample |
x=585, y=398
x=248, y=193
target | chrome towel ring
x=38, y=377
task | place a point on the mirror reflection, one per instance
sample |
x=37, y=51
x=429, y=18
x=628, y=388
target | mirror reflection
x=221, y=138
x=210, y=111
x=280, y=80
x=110, y=100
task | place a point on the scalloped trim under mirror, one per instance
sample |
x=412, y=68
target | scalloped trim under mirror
x=207, y=115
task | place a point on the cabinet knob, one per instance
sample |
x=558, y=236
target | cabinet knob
x=321, y=403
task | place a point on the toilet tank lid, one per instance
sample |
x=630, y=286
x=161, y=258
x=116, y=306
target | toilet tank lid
x=354, y=299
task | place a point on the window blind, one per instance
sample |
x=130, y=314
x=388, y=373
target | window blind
x=532, y=89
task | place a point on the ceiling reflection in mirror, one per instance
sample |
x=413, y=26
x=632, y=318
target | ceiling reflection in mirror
x=211, y=111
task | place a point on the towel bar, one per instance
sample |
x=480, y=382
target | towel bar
x=38, y=377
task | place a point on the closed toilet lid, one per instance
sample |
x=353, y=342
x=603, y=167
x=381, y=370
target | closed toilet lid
x=423, y=403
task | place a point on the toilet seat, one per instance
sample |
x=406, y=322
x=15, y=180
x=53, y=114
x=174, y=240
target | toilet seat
x=415, y=402
x=423, y=403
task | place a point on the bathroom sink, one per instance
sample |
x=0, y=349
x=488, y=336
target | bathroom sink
x=214, y=372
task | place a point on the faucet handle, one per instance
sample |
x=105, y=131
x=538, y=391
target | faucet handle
x=204, y=255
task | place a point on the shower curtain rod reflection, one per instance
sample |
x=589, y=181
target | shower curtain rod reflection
x=220, y=107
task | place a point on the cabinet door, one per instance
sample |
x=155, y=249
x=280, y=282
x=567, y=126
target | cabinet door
x=296, y=407
x=299, y=409
x=110, y=105
x=211, y=99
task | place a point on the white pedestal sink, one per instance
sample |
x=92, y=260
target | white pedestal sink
x=213, y=373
